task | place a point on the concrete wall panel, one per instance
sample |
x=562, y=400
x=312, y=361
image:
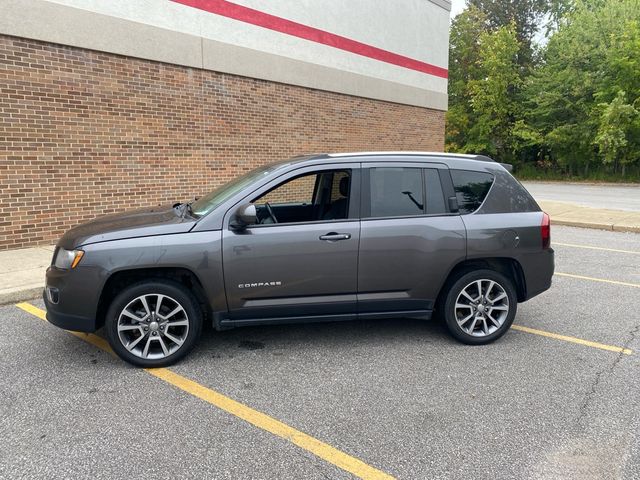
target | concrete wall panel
x=168, y=31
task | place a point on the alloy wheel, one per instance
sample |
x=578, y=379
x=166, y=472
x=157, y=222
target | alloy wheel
x=481, y=308
x=153, y=326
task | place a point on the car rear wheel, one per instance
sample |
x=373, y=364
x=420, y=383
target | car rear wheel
x=480, y=307
x=154, y=323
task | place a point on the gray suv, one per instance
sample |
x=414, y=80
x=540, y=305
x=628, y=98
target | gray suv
x=314, y=238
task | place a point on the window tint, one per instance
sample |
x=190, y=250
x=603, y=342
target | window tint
x=396, y=192
x=435, y=197
x=471, y=188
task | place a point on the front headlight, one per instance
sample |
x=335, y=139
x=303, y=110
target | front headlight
x=66, y=259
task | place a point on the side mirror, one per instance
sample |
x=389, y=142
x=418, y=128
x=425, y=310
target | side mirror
x=453, y=205
x=245, y=215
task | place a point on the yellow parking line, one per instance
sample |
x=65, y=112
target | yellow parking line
x=590, y=247
x=594, y=279
x=579, y=341
x=95, y=340
x=270, y=424
x=265, y=422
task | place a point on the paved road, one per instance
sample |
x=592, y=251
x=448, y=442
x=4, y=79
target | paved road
x=399, y=395
x=598, y=196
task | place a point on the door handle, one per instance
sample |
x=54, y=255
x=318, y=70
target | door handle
x=334, y=237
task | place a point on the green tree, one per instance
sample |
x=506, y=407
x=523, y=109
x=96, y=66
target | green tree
x=464, y=58
x=618, y=123
x=485, y=79
x=494, y=96
x=526, y=16
x=573, y=97
x=575, y=105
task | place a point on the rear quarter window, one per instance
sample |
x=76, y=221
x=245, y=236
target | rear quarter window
x=471, y=189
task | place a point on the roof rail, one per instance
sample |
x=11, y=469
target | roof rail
x=465, y=156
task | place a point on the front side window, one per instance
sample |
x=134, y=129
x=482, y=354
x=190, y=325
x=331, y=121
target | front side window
x=396, y=191
x=313, y=197
x=471, y=189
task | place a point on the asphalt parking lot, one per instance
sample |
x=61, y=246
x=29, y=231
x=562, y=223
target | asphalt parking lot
x=558, y=398
x=603, y=195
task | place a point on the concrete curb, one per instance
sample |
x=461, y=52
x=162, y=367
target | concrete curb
x=597, y=226
x=20, y=294
x=572, y=215
x=22, y=273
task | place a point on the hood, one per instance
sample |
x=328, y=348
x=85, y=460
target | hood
x=143, y=222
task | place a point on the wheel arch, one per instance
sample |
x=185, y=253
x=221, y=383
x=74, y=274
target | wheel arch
x=507, y=266
x=121, y=279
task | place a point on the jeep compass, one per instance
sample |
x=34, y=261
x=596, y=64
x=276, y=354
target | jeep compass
x=314, y=238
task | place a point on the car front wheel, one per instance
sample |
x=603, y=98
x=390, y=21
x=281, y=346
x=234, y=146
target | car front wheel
x=154, y=323
x=480, y=307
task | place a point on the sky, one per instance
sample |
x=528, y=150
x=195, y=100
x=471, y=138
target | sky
x=456, y=7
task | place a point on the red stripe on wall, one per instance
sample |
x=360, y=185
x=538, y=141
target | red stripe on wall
x=289, y=27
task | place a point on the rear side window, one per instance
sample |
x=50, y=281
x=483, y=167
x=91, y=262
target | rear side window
x=471, y=188
x=396, y=192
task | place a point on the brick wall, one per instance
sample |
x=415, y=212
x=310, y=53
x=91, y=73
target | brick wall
x=84, y=133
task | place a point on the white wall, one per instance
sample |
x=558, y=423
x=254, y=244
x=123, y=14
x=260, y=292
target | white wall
x=168, y=31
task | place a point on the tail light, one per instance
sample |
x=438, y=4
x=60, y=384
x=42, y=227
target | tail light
x=545, y=230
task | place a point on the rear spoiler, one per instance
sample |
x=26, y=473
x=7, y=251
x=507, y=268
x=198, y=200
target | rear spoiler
x=507, y=166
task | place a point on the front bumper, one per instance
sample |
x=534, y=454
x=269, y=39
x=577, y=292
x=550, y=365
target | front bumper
x=76, y=293
x=68, y=321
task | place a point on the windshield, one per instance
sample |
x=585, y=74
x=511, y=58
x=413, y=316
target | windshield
x=207, y=203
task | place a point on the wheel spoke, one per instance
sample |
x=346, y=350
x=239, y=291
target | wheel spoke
x=126, y=328
x=499, y=297
x=127, y=313
x=473, y=325
x=493, y=320
x=469, y=297
x=132, y=345
x=479, y=285
x=485, y=327
x=175, y=340
x=179, y=323
x=143, y=299
x=465, y=320
x=145, y=352
x=171, y=313
x=503, y=308
x=159, y=303
x=164, y=347
x=491, y=285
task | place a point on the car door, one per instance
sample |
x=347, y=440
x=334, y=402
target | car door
x=291, y=269
x=409, y=238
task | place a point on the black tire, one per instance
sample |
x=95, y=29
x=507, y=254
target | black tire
x=455, y=290
x=177, y=293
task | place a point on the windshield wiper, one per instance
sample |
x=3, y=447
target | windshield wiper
x=188, y=209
